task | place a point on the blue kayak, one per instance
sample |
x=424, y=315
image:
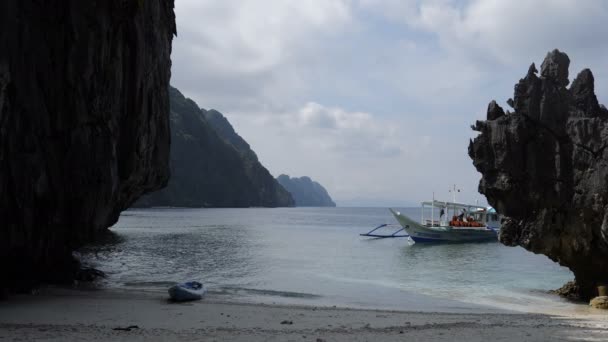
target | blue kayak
x=187, y=291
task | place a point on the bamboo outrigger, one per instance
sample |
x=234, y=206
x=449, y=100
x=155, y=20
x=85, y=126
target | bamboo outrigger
x=392, y=235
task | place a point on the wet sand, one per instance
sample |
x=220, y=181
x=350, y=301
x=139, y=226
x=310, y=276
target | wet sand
x=105, y=315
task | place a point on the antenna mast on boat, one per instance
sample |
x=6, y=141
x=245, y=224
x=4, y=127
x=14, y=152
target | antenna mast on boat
x=433, y=210
x=453, y=191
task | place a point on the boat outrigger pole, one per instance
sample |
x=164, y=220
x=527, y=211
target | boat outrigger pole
x=393, y=235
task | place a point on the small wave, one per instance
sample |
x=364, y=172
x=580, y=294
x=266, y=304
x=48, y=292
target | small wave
x=150, y=284
x=260, y=292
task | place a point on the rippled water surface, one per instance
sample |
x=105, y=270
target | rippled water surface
x=315, y=255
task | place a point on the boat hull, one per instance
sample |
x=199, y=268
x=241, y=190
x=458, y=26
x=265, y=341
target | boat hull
x=421, y=233
x=186, y=292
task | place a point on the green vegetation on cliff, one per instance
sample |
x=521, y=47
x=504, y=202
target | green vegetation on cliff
x=211, y=165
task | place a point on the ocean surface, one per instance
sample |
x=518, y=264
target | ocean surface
x=315, y=256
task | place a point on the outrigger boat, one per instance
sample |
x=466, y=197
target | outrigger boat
x=467, y=223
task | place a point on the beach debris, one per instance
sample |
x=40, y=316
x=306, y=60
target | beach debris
x=600, y=302
x=129, y=328
x=287, y=322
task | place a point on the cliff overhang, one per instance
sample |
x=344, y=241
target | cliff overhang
x=84, y=124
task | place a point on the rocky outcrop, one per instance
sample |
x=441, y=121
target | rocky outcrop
x=306, y=192
x=84, y=127
x=211, y=165
x=544, y=167
x=600, y=302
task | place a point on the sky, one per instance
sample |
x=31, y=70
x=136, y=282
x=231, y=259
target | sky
x=374, y=99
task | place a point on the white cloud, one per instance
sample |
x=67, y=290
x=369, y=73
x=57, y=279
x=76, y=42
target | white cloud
x=236, y=53
x=393, y=9
x=333, y=130
x=505, y=31
x=355, y=155
x=373, y=98
x=251, y=36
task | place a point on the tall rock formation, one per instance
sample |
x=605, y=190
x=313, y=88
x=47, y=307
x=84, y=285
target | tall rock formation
x=306, y=192
x=84, y=127
x=545, y=168
x=211, y=165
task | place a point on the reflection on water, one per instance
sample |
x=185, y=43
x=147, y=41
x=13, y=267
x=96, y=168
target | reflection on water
x=218, y=252
x=312, y=253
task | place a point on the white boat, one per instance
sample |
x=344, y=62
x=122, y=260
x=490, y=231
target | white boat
x=187, y=291
x=459, y=223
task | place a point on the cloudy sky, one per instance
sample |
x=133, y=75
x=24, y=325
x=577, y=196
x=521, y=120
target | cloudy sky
x=374, y=98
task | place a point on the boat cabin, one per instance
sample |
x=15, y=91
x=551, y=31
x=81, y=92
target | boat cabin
x=456, y=215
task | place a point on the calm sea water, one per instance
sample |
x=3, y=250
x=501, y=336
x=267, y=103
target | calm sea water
x=315, y=256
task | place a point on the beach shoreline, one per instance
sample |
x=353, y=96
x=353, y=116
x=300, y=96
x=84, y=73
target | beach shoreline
x=102, y=315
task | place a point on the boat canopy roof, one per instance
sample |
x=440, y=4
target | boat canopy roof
x=440, y=204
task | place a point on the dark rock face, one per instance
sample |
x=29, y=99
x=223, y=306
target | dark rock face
x=211, y=165
x=270, y=192
x=84, y=127
x=545, y=167
x=224, y=130
x=306, y=192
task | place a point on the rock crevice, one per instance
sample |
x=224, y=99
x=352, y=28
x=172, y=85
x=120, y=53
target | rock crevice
x=545, y=168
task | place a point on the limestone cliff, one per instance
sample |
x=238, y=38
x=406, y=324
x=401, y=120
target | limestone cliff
x=84, y=128
x=545, y=167
x=211, y=165
x=306, y=192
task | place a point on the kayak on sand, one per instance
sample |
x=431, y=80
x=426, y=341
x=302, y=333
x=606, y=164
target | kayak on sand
x=182, y=292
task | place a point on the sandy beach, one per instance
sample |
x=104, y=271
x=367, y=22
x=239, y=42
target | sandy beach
x=106, y=315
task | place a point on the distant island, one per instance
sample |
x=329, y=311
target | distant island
x=211, y=165
x=306, y=192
